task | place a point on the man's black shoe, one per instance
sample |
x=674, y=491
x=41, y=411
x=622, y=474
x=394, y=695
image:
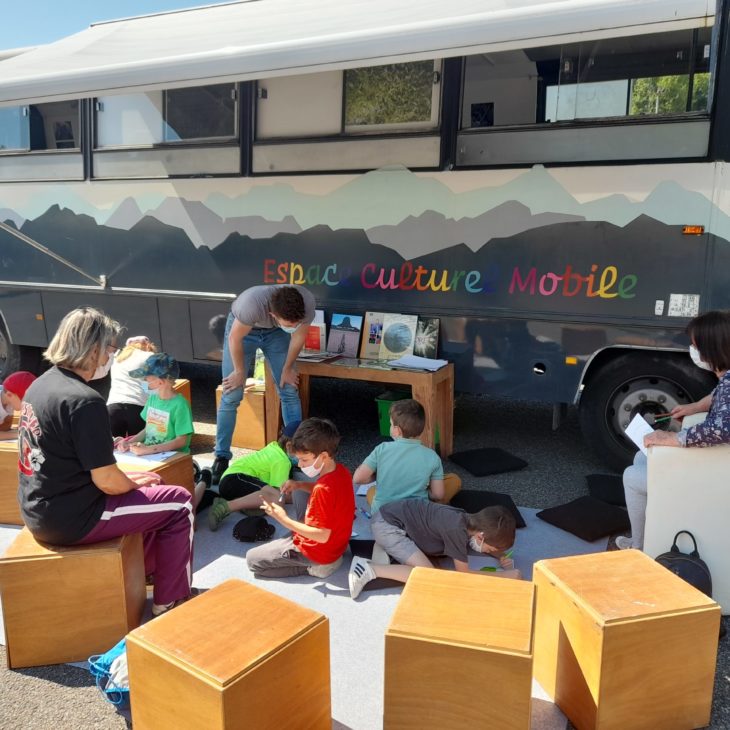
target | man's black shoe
x=219, y=466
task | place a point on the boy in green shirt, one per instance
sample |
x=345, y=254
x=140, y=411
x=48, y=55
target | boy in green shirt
x=167, y=415
x=253, y=478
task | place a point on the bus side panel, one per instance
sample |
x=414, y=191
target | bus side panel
x=22, y=314
x=137, y=314
x=175, y=328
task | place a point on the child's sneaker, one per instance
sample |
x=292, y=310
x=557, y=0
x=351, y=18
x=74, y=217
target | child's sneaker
x=218, y=512
x=360, y=574
x=324, y=570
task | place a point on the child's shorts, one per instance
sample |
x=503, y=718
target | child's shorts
x=393, y=539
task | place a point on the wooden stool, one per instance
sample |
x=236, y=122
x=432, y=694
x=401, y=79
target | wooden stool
x=182, y=386
x=250, y=431
x=622, y=642
x=234, y=657
x=62, y=604
x=453, y=635
x=177, y=470
x=9, y=507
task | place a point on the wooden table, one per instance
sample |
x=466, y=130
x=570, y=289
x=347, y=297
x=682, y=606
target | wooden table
x=434, y=391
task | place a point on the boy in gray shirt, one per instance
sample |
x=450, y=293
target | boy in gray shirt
x=413, y=530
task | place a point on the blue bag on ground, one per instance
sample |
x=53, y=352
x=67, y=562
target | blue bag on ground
x=110, y=672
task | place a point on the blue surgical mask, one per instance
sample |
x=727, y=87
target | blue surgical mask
x=289, y=330
x=145, y=386
x=475, y=545
x=293, y=460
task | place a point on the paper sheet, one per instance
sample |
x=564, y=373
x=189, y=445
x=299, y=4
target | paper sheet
x=362, y=490
x=637, y=429
x=421, y=363
x=127, y=457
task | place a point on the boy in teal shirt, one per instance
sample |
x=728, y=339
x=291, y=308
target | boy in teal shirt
x=167, y=415
x=404, y=467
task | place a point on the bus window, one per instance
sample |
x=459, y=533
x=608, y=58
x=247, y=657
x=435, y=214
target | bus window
x=52, y=126
x=588, y=101
x=399, y=96
x=197, y=114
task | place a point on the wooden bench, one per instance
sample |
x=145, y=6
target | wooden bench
x=234, y=657
x=9, y=507
x=62, y=604
x=250, y=430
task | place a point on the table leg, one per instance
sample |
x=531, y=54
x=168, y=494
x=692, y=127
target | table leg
x=272, y=424
x=446, y=416
x=426, y=396
x=304, y=394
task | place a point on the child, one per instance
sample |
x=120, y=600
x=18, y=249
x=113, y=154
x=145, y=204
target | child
x=253, y=478
x=413, y=529
x=169, y=421
x=404, y=467
x=316, y=545
x=12, y=393
x=128, y=395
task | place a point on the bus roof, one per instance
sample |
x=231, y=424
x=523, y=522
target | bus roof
x=262, y=38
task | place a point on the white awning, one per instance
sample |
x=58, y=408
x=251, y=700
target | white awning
x=262, y=38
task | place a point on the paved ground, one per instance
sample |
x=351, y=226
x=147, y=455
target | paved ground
x=63, y=697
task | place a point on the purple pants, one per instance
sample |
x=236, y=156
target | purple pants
x=164, y=514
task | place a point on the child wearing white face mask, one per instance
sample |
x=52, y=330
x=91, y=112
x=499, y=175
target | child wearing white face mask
x=710, y=350
x=404, y=467
x=412, y=531
x=323, y=524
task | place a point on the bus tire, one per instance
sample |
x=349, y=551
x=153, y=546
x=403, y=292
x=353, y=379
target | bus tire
x=15, y=357
x=635, y=383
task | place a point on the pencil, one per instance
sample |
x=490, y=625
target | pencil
x=663, y=418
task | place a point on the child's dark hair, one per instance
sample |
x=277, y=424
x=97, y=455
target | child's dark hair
x=283, y=441
x=315, y=435
x=497, y=523
x=711, y=334
x=287, y=303
x=409, y=416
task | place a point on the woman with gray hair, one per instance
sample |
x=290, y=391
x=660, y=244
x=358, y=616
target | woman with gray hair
x=71, y=490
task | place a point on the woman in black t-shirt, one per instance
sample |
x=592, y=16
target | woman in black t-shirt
x=71, y=490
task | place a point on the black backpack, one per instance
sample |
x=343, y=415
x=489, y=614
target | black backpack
x=689, y=567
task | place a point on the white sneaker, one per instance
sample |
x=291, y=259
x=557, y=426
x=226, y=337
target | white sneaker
x=624, y=543
x=324, y=570
x=380, y=557
x=360, y=574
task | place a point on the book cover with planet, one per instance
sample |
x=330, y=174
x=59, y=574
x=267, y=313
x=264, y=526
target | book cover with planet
x=399, y=335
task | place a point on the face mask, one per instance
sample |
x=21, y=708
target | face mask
x=475, y=544
x=288, y=330
x=145, y=386
x=694, y=353
x=312, y=470
x=294, y=460
x=3, y=412
x=102, y=370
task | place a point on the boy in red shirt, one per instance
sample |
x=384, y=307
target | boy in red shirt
x=317, y=543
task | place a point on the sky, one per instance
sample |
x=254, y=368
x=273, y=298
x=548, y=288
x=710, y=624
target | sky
x=34, y=22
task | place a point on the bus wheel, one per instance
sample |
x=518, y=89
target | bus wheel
x=15, y=357
x=635, y=383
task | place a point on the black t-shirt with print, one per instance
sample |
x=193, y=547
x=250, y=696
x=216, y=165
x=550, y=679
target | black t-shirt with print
x=63, y=434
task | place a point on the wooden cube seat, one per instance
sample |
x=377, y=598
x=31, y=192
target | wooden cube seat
x=62, y=604
x=453, y=638
x=234, y=657
x=177, y=470
x=250, y=430
x=9, y=507
x=621, y=642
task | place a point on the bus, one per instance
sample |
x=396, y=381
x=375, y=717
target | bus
x=548, y=178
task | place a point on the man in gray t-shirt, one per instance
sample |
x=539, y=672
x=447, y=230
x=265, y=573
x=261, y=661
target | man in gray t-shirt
x=273, y=319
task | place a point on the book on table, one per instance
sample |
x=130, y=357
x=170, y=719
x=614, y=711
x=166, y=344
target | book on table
x=399, y=334
x=372, y=335
x=414, y=362
x=427, y=337
x=344, y=337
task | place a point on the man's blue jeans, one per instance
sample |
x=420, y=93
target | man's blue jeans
x=274, y=343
